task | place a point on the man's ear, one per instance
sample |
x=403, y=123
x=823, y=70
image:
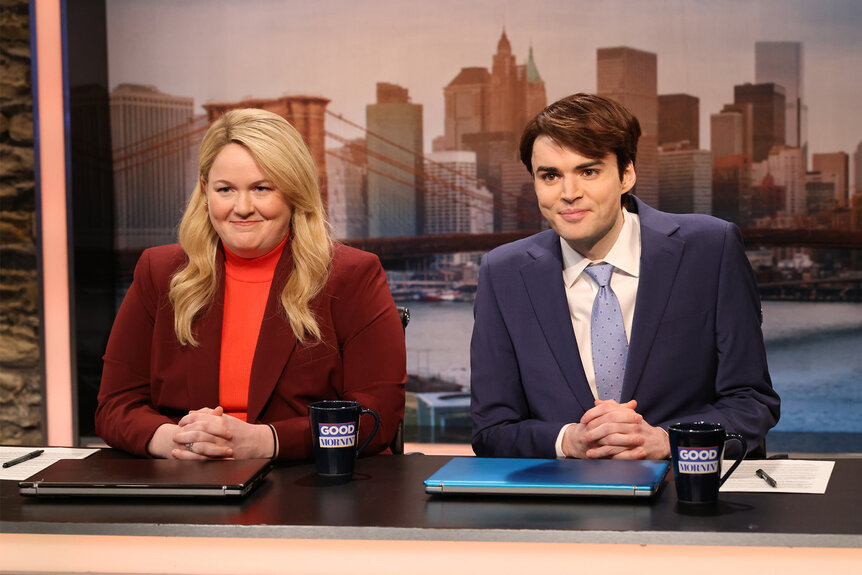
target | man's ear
x=629, y=178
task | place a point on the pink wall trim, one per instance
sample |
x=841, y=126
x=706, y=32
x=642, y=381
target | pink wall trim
x=55, y=263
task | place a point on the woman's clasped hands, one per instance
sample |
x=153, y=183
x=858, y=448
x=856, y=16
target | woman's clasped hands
x=211, y=434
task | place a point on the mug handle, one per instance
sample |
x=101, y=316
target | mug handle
x=373, y=431
x=737, y=437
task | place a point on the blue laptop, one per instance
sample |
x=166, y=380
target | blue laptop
x=580, y=477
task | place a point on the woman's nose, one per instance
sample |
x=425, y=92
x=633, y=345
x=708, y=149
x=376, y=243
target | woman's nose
x=243, y=204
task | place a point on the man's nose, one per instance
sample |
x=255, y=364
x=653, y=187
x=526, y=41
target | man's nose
x=570, y=190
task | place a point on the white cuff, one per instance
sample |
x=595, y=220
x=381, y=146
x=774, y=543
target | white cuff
x=558, y=446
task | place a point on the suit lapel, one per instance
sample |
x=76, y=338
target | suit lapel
x=275, y=343
x=661, y=253
x=543, y=279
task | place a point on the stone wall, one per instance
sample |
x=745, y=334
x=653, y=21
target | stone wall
x=21, y=414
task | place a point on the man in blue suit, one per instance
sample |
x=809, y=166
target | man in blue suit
x=564, y=367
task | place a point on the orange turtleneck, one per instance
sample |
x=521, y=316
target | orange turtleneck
x=247, y=285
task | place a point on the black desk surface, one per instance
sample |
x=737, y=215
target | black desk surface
x=386, y=500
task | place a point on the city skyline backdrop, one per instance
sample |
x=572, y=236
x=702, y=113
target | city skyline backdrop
x=343, y=50
x=203, y=57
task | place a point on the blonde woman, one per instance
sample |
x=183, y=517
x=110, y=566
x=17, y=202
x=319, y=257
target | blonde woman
x=223, y=340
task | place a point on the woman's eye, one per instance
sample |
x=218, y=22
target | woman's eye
x=223, y=190
x=263, y=189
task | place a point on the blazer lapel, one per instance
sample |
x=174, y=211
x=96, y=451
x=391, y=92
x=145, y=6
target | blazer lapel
x=275, y=343
x=543, y=279
x=661, y=253
x=202, y=379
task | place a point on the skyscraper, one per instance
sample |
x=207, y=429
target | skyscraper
x=501, y=100
x=486, y=113
x=346, y=169
x=856, y=212
x=786, y=165
x=517, y=92
x=731, y=188
x=767, y=200
x=782, y=63
x=535, y=98
x=725, y=134
x=630, y=77
x=454, y=202
x=820, y=191
x=731, y=130
x=767, y=101
x=467, y=99
x=685, y=181
x=519, y=210
x=152, y=138
x=837, y=164
x=395, y=194
x=857, y=168
x=504, y=79
x=679, y=119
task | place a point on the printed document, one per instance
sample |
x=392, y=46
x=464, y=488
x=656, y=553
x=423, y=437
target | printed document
x=25, y=469
x=790, y=475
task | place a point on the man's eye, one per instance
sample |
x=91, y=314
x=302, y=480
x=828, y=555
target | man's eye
x=548, y=177
x=590, y=173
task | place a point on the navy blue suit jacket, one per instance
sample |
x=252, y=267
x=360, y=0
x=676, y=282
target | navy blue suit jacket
x=695, y=353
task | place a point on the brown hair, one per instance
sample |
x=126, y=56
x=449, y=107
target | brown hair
x=591, y=125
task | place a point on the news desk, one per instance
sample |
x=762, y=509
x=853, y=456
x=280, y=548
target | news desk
x=385, y=522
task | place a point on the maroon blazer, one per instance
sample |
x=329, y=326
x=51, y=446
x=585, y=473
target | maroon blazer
x=150, y=379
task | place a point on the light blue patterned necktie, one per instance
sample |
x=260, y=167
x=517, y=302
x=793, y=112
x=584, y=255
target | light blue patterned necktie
x=607, y=335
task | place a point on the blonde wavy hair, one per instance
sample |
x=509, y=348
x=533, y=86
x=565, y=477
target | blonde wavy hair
x=283, y=156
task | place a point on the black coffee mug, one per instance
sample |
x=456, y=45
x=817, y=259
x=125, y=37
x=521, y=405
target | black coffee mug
x=696, y=450
x=334, y=434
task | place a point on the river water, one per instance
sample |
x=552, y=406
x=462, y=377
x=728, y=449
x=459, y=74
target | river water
x=814, y=351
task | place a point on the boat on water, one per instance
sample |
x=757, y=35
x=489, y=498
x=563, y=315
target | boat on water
x=439, y=295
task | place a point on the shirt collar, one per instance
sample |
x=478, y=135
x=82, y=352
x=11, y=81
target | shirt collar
x=625, y=254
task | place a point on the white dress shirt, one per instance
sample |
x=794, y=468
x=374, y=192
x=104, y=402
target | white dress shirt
x=581, y=290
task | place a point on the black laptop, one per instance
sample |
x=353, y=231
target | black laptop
x=108, y=477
